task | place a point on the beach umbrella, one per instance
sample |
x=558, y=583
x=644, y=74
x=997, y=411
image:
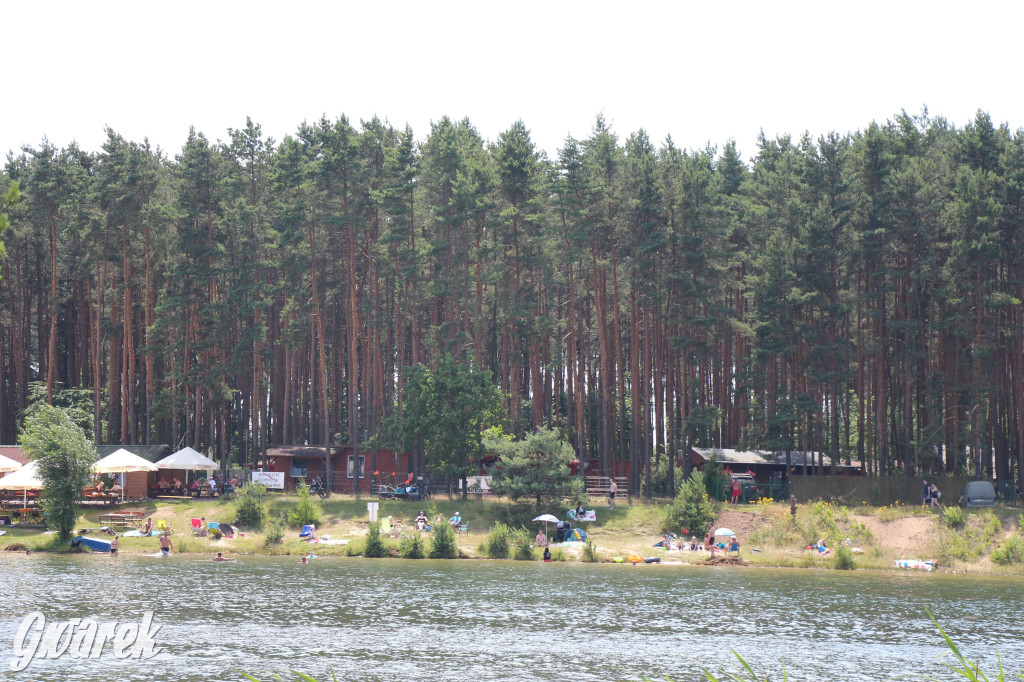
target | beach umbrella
x=121, y=462
x=8, y=465
x=546, y=518
x=26, y=478
x=189, y=460
x=724, y=531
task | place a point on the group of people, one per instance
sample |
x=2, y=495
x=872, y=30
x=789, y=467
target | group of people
x=214, y=483
x=423, y=524
x=176, y=488
x=101, y=487
x=931, y=495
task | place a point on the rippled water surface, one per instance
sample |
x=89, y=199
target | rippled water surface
x=484, y=620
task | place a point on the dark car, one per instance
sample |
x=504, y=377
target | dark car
x=748, y=487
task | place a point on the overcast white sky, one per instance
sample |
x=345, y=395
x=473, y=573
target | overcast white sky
x=701, y=71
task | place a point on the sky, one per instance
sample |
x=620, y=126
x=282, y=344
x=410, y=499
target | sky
x=702, y=72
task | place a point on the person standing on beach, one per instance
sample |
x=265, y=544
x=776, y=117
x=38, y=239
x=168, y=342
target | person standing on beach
x=927, y=494
x=934, y=494
x=612, y=489
x=113, y=545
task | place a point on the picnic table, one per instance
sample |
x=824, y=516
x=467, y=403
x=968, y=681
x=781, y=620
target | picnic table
x=124, y=519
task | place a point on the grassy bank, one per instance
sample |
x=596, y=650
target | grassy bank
x=959, y=542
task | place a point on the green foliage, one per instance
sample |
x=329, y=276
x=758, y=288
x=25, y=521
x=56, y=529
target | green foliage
x=535, y=468
x=10, y=197
x=522, y=545
x=76, y=403
x=559, y=555
x=971, y=541
x=443, y=545
x=250, y=511
x=843, y=559
x=306, y=511
x=374, y=547
x=444, y=413
x=692, y=510
x=63, y=457
x=498, y=539
x=275, y=532
x=412, y=547
x=822, y=523
x=660, y=477
x=953, y=517
x=590, y=552
x=716, y=482
x=1010, y=552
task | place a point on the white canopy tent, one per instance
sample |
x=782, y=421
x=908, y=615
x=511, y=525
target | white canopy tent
x=8, y=465
x=26, y=478
x=121, y=462
x=188, y=459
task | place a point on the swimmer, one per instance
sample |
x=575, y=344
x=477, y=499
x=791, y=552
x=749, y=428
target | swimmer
x=221, y=557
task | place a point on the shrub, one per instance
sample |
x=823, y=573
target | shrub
x=522, y=544
x=498, y=537
x=590, y=553
x=375, y=547
x=412, y=548
x=443, y=545
x=275, y=533
x=306, y=512
x=691, y=509
x=844, y=559
x=250, y=512
x=1010, y=552
x=559, y=555
x=953, y=517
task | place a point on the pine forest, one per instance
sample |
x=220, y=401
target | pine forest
x=857, y=296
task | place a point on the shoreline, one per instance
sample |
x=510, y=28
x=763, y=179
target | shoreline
x=887, y=534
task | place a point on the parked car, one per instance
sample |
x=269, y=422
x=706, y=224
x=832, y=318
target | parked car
x=978, y=494
x=748, y=487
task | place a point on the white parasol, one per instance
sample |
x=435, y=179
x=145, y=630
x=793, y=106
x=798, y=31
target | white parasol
x=7, y=465
x=26, y=478
x=121, y=462
x=546, y=518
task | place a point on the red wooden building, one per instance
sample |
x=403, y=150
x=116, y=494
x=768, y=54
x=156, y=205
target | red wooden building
x=308, y=461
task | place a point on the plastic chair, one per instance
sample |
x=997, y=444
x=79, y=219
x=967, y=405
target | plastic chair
x=463, y=528
x=197, y=527
x=307, y=532
x=213, y=528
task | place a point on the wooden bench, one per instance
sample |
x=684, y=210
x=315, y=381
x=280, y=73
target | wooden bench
x=599, y=485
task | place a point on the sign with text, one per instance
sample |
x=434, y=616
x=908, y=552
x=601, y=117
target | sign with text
x=271, y=479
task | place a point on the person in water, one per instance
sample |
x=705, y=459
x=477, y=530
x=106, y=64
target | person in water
x=547, y=554
x=220, y=557
x=165, y=543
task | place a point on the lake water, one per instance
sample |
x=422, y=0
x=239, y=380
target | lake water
x=369, y=619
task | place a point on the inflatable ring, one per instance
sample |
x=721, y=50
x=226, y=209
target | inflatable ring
x=635, y=559
x=617, y=559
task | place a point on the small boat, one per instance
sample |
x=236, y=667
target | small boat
x=95, y=544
